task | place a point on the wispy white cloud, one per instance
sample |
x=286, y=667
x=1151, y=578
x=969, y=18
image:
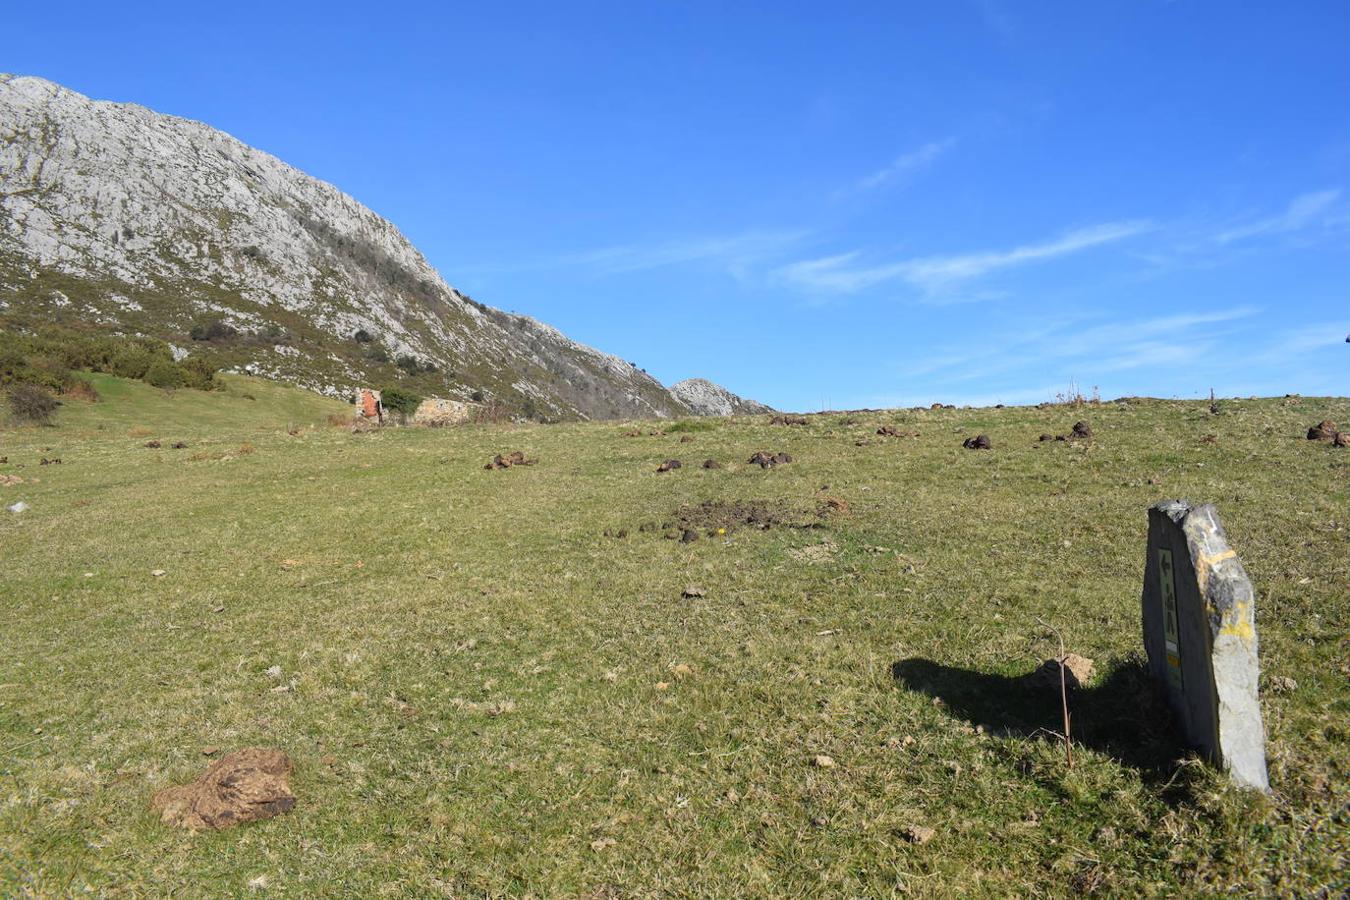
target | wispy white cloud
x=904, y=165
x=846, y=273
x=734, y=250
x=738, y=254
x=1081, y=345
x=1303, y=211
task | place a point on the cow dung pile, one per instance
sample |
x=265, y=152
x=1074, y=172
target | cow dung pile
x=1325, y=430
x=514, y=458
x=243, y=786
x=769, y=460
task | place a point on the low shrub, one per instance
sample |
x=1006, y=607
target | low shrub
x=164, y=375
x=32, y=404
x=80, y=388
x=396, y=399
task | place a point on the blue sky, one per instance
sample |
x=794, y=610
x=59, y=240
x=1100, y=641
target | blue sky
x=842, y=204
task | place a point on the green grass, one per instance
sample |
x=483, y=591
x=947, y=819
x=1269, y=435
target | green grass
x=474, y=668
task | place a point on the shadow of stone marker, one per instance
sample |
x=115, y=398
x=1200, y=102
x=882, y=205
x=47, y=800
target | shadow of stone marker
x=1199, y=615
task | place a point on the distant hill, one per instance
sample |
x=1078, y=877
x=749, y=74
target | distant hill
x=704, y=398
x=113, y=214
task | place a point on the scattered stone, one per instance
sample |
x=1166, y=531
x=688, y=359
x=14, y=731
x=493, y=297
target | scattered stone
x=158, y=573
x=788, y=420
x=243, y=786
x=670, y=464
x=1199, y=618
x=514, y=458
x=918, y=834
x=17, y=507
x=274, y=672
x=152, y=445
x=1077, y=672
x=979, y=442
x=692, y=593
x=49, y=462
x=823, y=762
x=1324, y=430
x=711, y=464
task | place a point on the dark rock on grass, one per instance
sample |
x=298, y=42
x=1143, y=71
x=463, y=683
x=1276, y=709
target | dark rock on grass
x=670, y=464
x=1324, y=430
x=711, y=464
x=243, y=786
x=514, y=458
x=979, y=442
x=688, y=536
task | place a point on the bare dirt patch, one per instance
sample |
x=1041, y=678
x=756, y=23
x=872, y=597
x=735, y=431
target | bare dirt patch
x=716, y=516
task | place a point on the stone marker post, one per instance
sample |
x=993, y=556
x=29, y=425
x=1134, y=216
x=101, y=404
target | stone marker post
x=1199, y=616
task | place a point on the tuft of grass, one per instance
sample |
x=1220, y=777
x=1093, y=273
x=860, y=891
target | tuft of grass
x=487, y=694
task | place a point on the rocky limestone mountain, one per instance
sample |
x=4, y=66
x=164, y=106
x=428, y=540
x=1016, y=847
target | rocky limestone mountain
x=113, y=214
x=703, y=398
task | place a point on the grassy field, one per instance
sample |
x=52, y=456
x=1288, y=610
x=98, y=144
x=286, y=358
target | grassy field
x=487, y=695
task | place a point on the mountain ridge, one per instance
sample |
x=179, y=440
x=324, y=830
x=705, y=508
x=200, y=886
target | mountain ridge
x=125, y=217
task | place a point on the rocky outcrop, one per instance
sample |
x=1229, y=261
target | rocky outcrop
x=703, y=398
x=115, y=214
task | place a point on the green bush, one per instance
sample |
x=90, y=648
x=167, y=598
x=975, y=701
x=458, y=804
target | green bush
x=400, y=400
x=165, y=375
x=198, y=373
x=131, y=361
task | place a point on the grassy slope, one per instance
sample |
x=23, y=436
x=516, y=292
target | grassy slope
x=474, y=668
